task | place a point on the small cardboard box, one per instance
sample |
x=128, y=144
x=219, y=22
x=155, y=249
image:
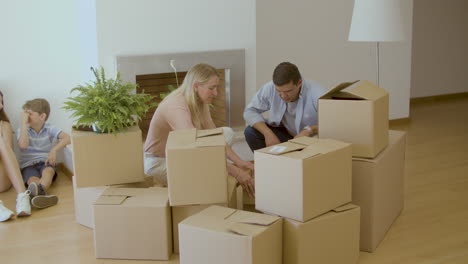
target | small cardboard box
x=358, y=115
x=196, y=167
x=224, y=235
x=378, y=190
x=85, y=197
x=331, y=238
x=105, y=159
x=179, y=213
x=133, y=223
x=303, y=178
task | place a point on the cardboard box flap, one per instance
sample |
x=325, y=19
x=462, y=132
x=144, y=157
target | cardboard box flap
x=110, y=199
x=282, y=148
x=210, y=141
x=304, y=140
x=252, y=218
x=181, y=138
x=345, y=207
x=209, y=132
x=124, y=191
x=242, y=229
x=367, y=90
x=318, y=146
x=337, y=89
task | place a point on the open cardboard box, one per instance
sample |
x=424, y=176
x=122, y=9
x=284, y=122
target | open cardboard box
x=358, y=115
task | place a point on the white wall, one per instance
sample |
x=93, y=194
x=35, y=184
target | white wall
x=126, y=27
x=313, y=35
x=46, y=49
x=440, y=43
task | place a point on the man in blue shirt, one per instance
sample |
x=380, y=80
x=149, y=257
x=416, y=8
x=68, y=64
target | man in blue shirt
x=292, y=104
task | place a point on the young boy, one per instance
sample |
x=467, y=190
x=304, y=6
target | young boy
x=39, y=142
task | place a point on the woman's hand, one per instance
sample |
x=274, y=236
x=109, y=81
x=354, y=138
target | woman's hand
x=245, y=165
x=245, y=179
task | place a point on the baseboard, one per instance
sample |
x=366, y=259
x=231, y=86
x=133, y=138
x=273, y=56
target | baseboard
x=441, y=97
x=65, y=170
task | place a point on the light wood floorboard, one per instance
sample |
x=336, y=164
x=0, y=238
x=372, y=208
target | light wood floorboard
x=432, y=229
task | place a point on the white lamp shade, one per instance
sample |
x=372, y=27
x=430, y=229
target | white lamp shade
x=376, y=21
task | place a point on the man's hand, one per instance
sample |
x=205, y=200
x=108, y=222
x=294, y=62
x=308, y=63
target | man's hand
x=52, y=158
x=25, y=118
x=271, y=139
x=303, y=133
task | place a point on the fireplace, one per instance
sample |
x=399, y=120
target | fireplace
x=153, y=74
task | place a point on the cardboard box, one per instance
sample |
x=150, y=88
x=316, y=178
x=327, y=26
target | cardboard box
x=196, y=167
x=84, y=199
x=331, y=238
x=105, y=159
x=358, y=115
x=180, y=213
x=378, y=190
x=303, y=178
x=224, y=235
x=133, y=223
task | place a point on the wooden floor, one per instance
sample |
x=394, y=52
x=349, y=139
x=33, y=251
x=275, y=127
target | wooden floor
x=433, y=227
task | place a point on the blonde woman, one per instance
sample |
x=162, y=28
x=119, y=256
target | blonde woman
x=188, y=107
x=9, y=170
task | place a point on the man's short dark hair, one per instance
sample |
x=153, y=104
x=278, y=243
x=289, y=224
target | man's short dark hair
x=286, y=72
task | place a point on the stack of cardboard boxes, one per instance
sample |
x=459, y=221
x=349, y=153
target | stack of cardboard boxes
x=308, y=182
x=131, y=219
x=359, y=115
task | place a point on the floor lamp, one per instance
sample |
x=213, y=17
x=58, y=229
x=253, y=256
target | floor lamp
x=376, y=21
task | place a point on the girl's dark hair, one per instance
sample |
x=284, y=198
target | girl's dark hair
x=3, y=115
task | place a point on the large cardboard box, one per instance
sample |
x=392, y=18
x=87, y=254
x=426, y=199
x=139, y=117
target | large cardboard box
x=224, y=235
x=85, y=197
x=196, y=167
x=180, y=213
x=133, y=223
x=378, y=190
x=105, y=159
x=358, y=115
x=303, y=178
x=331, y=238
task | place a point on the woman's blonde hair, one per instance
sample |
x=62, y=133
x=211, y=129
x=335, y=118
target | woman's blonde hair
x=200, y=73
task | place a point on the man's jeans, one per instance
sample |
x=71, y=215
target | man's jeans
x=256, y=140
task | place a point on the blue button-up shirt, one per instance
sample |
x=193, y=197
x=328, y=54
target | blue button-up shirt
x=40, y=144
x=268, y=99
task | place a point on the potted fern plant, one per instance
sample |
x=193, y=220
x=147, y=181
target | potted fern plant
x=107, y=105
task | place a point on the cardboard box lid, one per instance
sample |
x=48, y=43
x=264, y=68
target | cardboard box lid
x=304, y=147
x=363, y=90
x=193, y=138
x=154, y=196
x=231, y=221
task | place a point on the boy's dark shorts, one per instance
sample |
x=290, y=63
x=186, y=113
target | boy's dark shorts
x=35, y=170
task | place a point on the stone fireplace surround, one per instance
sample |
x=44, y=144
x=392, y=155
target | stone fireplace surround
x=232, y=60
